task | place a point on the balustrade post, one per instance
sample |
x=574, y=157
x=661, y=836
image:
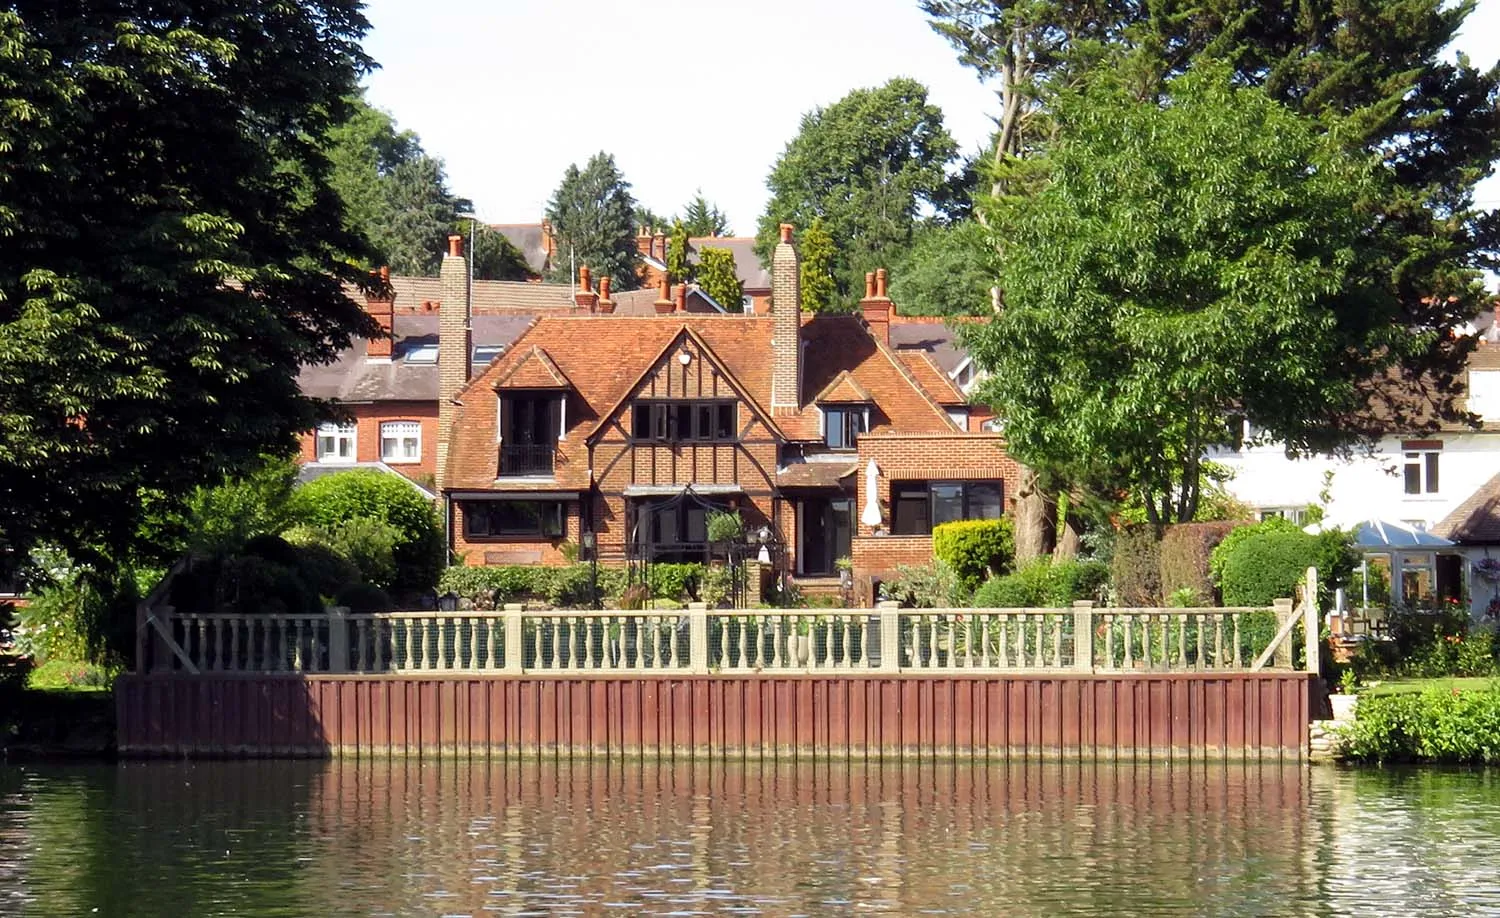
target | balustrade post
x=1310, y=621
x=1083, y=635
x=1284, y=611
x=511, y=618
x=698, y=638
x=338, y=639
x=890, y=635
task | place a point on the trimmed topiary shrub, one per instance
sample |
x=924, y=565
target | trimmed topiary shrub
x=1185, y=552
x=332, y=500
x=1266, y=566
x=1135, y=572
x=975, y=549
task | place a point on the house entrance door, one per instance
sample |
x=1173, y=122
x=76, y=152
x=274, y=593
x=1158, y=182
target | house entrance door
x=825, y=534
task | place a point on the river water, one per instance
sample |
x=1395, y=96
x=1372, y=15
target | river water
x=451, y=838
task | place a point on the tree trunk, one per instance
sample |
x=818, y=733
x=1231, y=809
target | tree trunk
x=1036, y=519
x=1069, y=535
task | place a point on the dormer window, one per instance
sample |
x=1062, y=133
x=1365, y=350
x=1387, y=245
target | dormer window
x=843, y=423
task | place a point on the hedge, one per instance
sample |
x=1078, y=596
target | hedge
x=1135, y=572
x=975, y=549
x=332, y=500
x=1257, y=564
x=1044, y=584
x=1185, y=552
x=567, y=587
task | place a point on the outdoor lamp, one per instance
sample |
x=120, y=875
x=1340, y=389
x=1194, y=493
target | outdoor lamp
x=586, y=542
x=764, y=536
x=448, y=602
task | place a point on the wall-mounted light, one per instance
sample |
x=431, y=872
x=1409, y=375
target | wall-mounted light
x=683, y=357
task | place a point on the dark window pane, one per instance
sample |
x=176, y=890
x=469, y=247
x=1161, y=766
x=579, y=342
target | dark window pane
x=947, y=503
x=726, y=426
x=640, y=427
x=1432, y=472
x=703, y=423
x=1413, y=476
x=513, y=518
x=909, y=510
x=984, y=501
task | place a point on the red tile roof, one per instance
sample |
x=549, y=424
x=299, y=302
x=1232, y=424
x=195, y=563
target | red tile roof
x=533, y=370
x=604, y=358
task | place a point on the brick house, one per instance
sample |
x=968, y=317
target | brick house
x=601, y=422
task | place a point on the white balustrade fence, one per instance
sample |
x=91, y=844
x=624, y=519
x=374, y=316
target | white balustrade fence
x=702, y=641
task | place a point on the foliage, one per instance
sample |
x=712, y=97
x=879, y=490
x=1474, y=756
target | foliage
x=330, y=501
x=1256, y=564
x=675, y=581
x=974, y=549
x=171, y=251
x=560, y=587
x=720, y=279
x=492, y=256
x=725, y=526
x=925, y=586
x=717, y=585
x=76, y=611
x=948, y=271
x=69, y=675
x=592, y=214
x=1266, y=566
x=370, y=544
x=701, y=218
x=1438, y=725
x=220, y=519
x=635, y=597
x=363, y=598
x=868, y=165
x=1135, y=569
x=419, y=215
x=1225, y=282
x=815, y=273
x=679, y=268
x=1185, y=552
x=324, y=567
x=14, y=673
x=1044, y=583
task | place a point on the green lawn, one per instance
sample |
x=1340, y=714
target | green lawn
x=1398, y=686
x=68, y=677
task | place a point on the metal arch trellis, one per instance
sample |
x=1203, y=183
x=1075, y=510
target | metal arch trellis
x=642, y=554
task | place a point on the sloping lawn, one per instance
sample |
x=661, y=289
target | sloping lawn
x=1398, y=686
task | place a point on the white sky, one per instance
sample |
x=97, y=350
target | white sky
x=684, y=93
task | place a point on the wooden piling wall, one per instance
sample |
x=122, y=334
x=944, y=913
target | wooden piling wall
x=788, y=717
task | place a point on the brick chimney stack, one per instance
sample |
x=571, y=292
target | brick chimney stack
x=454, y=345
x=584, y=295
x=606, y=305
x=663, y=302
x=877, y=307
x=786, y=329
x=381, y=305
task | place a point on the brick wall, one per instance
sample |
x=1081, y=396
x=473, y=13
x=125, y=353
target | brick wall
x=367, y=421
x=934, y=457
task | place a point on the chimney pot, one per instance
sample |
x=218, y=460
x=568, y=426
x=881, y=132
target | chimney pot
x=604, y=288
x=663, y=304
x=682, y=297
x=455, y=245
x=880, y=284
x=585, y=279
x=385, y=274
x=869, y=285
x=786, y=232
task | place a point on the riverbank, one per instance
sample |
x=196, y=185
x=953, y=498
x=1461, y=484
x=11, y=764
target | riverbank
x=57, y=724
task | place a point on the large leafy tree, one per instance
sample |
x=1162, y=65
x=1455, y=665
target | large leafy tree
x=1374, y=67
x=868, y=164
x=949, y=271
x=593, y=220
x=1186, y=262
x=703, y=218
x=171, y=251
x=679, y=267
x=815, y=272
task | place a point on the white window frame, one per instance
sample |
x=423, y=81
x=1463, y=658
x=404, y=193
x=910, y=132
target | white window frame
x=337, y=434
x=400, y=433
x=1426, y=462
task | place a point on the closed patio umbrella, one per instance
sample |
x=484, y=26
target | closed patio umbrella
x=870, y=515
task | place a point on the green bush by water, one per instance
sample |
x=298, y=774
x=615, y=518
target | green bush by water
x=1044, y=583
x=975, y=549
x=1438, y=725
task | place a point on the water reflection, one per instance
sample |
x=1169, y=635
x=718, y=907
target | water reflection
x=450, y=838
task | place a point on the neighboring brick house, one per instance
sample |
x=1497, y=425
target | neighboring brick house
x=603, y=422
x=389, y=386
